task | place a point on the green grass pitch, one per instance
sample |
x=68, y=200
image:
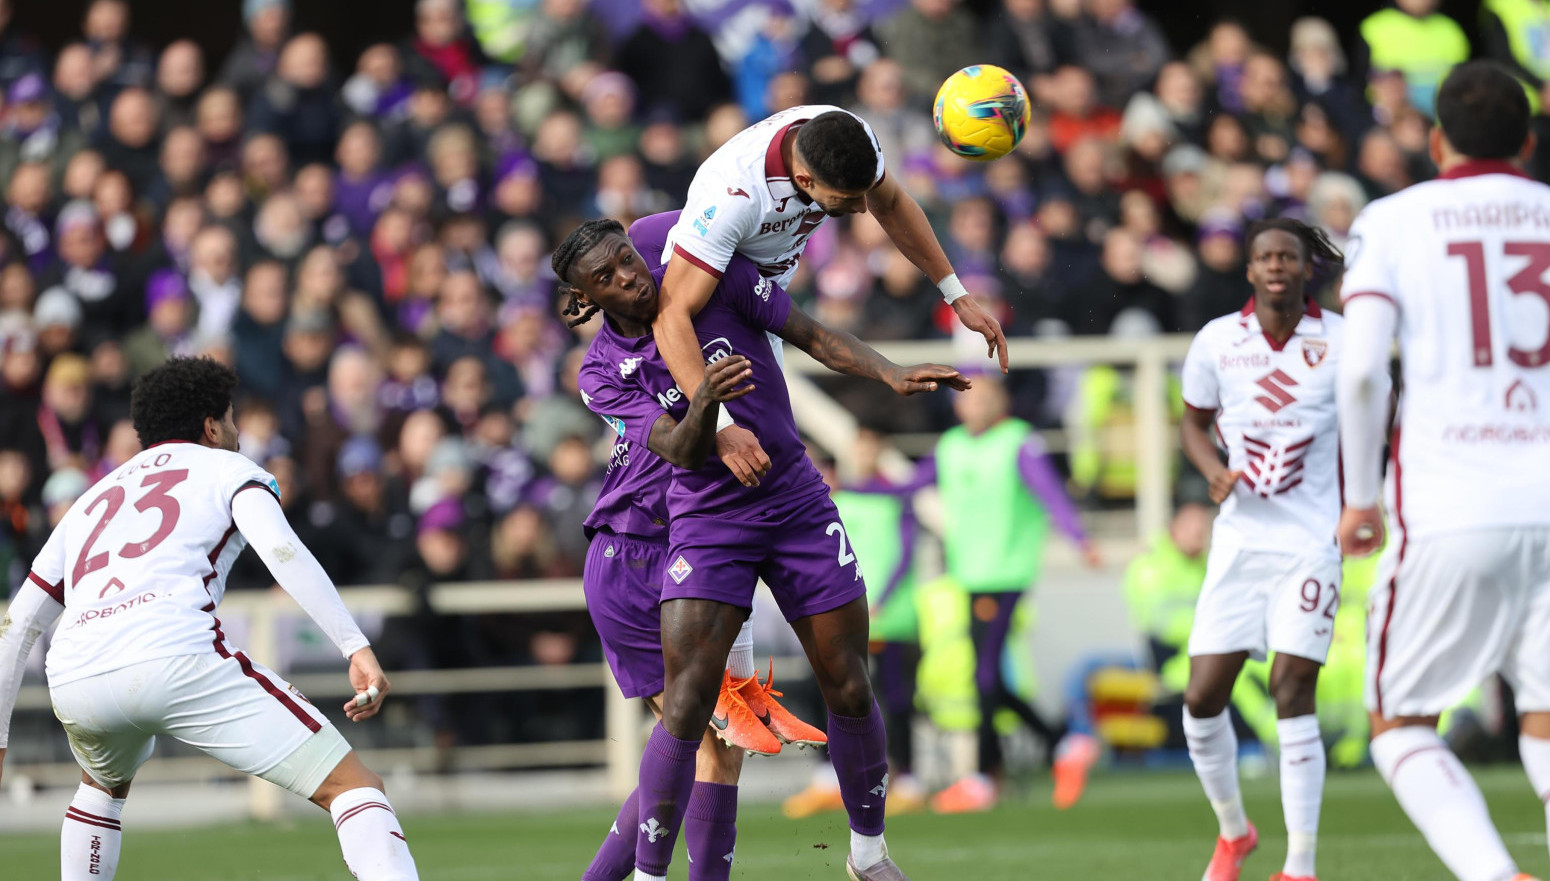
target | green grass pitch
x=1136, y=826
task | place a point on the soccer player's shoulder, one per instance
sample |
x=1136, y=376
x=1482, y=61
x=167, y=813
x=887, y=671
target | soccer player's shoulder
x=1222, y=330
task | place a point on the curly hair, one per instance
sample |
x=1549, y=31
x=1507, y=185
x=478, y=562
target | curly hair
x=172, y=401
x=838, y=150
x=1326, y=259
x=576, y=245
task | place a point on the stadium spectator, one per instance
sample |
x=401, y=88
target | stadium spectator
x=297, y=103
x=673, y=62
x=1412, y=38
x=931, y=39
x=1121, y=46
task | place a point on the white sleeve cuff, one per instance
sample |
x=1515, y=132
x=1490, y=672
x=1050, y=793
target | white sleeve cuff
x=723, y=419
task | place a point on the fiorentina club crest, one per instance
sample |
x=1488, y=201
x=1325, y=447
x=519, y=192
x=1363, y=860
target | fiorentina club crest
x=1313, y=352
x=680, y=569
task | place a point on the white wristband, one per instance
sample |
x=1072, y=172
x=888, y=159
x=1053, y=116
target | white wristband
x=723, y=419
x=952, y=288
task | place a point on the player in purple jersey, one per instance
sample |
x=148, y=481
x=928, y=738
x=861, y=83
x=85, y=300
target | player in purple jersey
x=726, y=534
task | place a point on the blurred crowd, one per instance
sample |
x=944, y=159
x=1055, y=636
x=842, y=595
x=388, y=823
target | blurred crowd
x=366, y=239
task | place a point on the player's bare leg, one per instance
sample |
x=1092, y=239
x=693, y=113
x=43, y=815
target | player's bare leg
x=696, y=637
x=1213, y=748
x=370, y=837
x=1534, y=748
x=1293, y=682
x=836, y=647
x=91, y=838
x=1440, y=797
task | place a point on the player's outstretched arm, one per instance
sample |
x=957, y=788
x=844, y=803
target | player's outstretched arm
x=257, y=513
x=689, y=443
x=843, y=353
x=905, y=223
x=685, y=290
x=1362, y=396
x=1195, y=435
x=31, y=612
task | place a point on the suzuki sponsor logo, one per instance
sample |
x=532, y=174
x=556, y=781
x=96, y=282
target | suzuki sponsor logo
x=1277, y=396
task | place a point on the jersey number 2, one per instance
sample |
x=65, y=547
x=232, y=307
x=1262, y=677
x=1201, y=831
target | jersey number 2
x=845, y=556
x=160, y=484
x=1529, y=280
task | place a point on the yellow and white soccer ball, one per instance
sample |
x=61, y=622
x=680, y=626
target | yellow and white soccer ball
x=981, y=112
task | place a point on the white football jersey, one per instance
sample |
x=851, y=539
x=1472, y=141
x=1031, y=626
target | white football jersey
x=1276, y=417
x=742, y=201
x=140, y=561
x=1464, y=259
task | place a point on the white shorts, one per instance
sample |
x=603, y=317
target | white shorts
x=1265, y=601
x=1450, y=610
x=231, y=709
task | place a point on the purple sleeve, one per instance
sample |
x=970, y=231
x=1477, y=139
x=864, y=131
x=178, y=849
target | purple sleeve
x=924, y=476
x=1041, y=478
x=649, y=235
x=760, y=301
x=629, y=412
x=906, y=554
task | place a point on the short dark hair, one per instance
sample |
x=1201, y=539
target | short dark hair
x=576, y=245
x=1483, y=111
x=172, y=401
x=839, y=151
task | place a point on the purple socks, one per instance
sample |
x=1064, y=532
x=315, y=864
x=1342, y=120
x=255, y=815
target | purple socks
x=859, y=751
x=710, y=830
x=666, y=778
x=615, y=860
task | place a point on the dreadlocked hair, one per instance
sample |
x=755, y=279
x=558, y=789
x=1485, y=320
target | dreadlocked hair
x=1318, y=250
x=581, y=240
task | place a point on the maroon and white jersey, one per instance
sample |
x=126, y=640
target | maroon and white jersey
x=742, y=201
x=1276, y=417
x=140, y=561
x=1465, y=261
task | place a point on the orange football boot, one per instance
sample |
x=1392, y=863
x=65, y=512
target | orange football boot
x=760, y=697
x=969, y=795
x=1227, y=861
x=1282, y=876
x=736, y=725
x=1074, y=758
x=819, y=797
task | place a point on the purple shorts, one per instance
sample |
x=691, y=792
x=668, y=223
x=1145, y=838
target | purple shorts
x=623, y=584
x=801, y=552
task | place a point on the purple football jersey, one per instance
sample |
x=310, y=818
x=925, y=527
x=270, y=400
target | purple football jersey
x=633, y=500
x=630, y=387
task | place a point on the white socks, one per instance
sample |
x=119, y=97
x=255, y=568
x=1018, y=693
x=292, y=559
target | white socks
x=91, y=838
x=1302, y=790
x=740, y=659
x=373, y=843
x=867, y=851
x=1213, y=748
x=1442, y=800
x=642, y=876
x=1535, y=752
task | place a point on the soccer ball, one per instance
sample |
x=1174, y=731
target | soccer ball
x=981, y=112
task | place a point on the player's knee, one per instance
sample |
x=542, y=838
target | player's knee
x=851, y=696
x=687, y=703
x=1294, y=693
x=1203, y=702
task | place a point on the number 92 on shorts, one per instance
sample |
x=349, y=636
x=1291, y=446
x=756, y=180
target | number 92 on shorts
x=1265, y=601
x=799, y=549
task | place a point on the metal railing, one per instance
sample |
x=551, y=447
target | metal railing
x=833, y=427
